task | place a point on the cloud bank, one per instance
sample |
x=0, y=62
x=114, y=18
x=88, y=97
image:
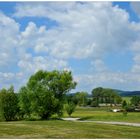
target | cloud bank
x=84, y=31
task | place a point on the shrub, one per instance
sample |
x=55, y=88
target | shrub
x=70, y=108
x=124, y=104
x=130, y=108
x=94, y=103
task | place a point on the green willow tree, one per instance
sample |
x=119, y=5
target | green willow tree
x=45, y=92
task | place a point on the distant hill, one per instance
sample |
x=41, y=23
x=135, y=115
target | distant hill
x=127, y=93
x=120, y=92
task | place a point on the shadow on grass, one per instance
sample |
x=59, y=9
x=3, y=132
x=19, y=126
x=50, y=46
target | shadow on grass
x=40, y=119
x=85, y=118
x=55, y=118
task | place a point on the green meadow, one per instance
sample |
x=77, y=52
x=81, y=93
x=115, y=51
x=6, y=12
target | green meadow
x=65, y=129
x=69, y=129
x=104, y=114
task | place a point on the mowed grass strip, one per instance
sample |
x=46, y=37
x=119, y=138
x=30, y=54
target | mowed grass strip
x=103, y=114
x=65, y=129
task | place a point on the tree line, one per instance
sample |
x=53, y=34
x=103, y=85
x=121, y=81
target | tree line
x=45, y=95
x=106, y=96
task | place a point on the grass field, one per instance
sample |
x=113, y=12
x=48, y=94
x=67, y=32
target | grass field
x=68, y=129
x=103, y=114
x=65, y=129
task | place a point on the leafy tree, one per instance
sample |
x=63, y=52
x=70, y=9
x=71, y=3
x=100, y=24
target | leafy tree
x=45, y=93
x=130, y=108
x=118, y=99
x=1, y=107
x=9, y=104
x=95, y=102
x=71, y=98
x=135, y=100
x=70, y=108
x=97, y=93
x=124, y=104
x=24, y=102
x=81, y=98
x=89, y=101
x=105, y=95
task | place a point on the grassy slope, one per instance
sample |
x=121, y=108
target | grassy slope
x=105, y=115
x=65, y=129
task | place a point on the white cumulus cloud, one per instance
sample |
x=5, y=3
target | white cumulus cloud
x=85, y=31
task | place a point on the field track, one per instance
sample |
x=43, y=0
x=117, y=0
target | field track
x=112, y=122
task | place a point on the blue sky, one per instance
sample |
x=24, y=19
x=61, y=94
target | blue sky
x=97, y=41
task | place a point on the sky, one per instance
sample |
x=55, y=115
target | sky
x=98, y=41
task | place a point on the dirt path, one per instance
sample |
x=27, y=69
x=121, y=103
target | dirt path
x=70, y=119
x=117, y=123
